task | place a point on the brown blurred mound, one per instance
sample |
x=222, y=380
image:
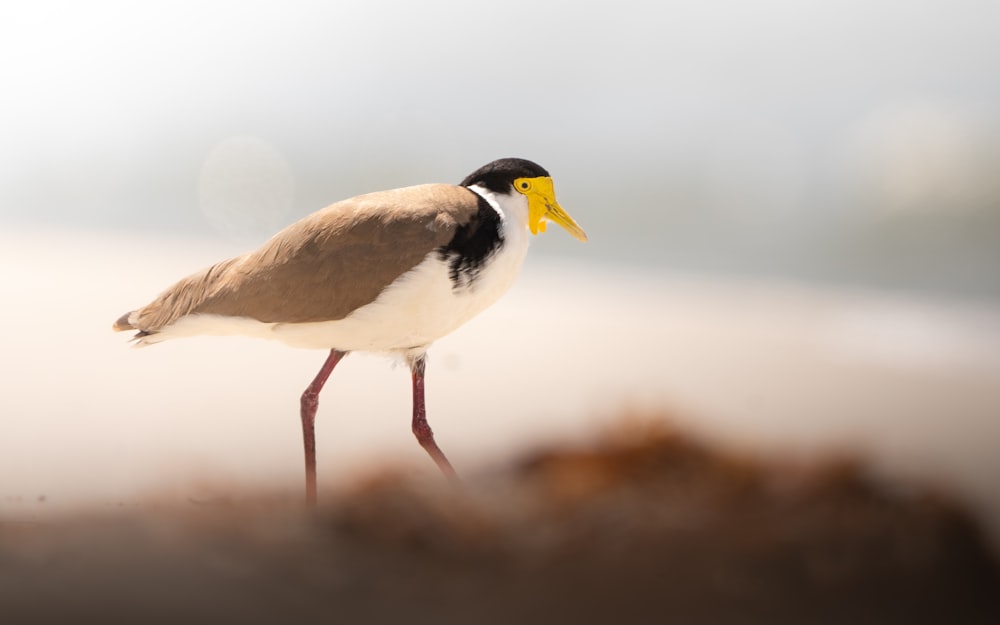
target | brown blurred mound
x=646, y=527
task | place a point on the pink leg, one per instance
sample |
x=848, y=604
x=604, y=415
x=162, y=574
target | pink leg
x=420, y=426
x=309, y=403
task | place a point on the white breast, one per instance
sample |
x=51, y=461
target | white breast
x=418, y=308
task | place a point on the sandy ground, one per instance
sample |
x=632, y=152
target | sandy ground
x=646, y=526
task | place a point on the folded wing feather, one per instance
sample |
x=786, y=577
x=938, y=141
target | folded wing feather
x=322, y=267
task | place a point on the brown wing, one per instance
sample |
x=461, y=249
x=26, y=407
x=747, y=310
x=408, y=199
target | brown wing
x=323, y=267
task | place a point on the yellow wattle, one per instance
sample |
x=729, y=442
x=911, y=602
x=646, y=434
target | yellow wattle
x=536, y=213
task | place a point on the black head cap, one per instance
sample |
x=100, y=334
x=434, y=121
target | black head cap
x=499, y=175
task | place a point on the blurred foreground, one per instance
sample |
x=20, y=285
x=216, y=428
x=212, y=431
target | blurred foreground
x=645, y=526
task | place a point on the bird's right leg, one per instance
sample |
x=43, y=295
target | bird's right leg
x=309, y=403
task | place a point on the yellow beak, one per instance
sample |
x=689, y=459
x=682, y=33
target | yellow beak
x=543, y=207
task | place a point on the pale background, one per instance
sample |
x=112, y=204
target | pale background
x=794, y=211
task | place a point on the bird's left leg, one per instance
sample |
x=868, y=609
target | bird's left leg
x=421, y=429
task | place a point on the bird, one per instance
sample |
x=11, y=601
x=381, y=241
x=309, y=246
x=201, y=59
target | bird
x=387, y=272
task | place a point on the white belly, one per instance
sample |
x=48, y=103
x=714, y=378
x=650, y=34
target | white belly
x=418, y=308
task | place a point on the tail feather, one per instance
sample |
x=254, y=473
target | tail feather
x=123, y=323
x=139, y=338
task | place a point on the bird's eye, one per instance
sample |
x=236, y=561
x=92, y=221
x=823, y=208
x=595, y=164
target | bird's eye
x=524, y=185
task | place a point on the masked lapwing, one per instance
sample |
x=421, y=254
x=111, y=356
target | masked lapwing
x=387, y=272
